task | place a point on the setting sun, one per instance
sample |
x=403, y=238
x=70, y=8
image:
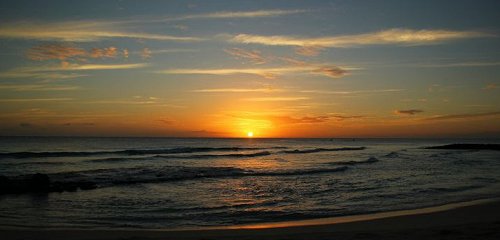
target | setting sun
x=249, y=134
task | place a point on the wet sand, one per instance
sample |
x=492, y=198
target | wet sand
x=472, y=220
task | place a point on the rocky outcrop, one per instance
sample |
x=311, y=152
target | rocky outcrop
x=40, y=183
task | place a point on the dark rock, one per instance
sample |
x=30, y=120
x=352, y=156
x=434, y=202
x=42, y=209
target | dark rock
x=40, y=183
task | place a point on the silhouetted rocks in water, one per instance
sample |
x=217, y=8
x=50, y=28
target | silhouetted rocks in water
x=40, y=183
x=494, y=147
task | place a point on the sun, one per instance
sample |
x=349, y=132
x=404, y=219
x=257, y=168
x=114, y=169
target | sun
x=249, y=134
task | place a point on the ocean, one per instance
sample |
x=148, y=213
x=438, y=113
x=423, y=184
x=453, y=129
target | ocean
x=171, y=183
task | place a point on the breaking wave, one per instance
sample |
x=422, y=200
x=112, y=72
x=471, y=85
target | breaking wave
x=130, y=152
x=315, y=150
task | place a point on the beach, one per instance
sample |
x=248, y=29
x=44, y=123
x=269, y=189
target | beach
x=481, y=220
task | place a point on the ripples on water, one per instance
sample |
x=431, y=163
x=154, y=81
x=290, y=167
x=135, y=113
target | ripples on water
x=167, y=183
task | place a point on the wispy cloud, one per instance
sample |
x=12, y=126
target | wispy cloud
x=135, y=100
x=49, y=71
x=35, y=99
x=236, y=90
x=64, y=51
x=309, y=51
x=237, y=14
x=253, y=55
x=463, y=116
x=391, y=36
x=34, y=73
x=276, y=99
x=37, y=87
x=299, y=120
x=490, y=86
x=352, y=92
x=408, y=112
x=54, y=51
x=79, y=31
x=313, y=119
x=332, y=71
x=463, y=64
x=146, y=53
x=173, y=50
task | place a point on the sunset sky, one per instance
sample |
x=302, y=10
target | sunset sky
x=226, y=68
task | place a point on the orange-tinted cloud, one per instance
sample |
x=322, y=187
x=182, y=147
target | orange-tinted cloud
x=408, y=112
x=79, y=31
x=490, y=86
x=309, y=51
x=331, y=71
x=54, y=51
x=64, y=52
x=334, y=71
x=391, y=36
x=463, y=116
x=146, y=53
x=109, y=52
x=253, y=55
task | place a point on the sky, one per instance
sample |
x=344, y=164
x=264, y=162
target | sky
x=226, y=68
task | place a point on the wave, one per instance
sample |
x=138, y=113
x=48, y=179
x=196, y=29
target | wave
x=178, y=173
x=91, y=179
x=448, y=189
x=131, y=152
x=315, y=150
x=463, y=146
x=367, y=161
x=195, y=156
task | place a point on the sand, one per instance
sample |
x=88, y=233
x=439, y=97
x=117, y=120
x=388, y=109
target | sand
x=472, y=220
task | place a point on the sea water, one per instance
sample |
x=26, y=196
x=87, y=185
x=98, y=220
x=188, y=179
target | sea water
x=167, y=183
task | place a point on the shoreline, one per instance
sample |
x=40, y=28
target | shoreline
x=480, y=217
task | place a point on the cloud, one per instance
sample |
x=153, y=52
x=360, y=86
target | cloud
x=125, y=53
x=490, y=86
x=408, y=112
x=254, y=56
x=146, y=53
x=294, y=61
x=276, y=99
x=54, y=51
x=35, y=99
x=352, y=92
x=236, y=90
x=38, y=87
x=341, y=117
x=309, y=51
x=333, y=71
x=78, y=124
x=64, y=51
x=34, y=73
x=173, y=50
x=78, y=31
x=97, y=67
x=463, y=116
x=25, y=125
x=109, y=52
x=287, y=119
x=136, y=100
x=239, y=14
x=166, y=121
x=299, y=120
x=47, y=71
x=463, y=64
x=392, y=36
